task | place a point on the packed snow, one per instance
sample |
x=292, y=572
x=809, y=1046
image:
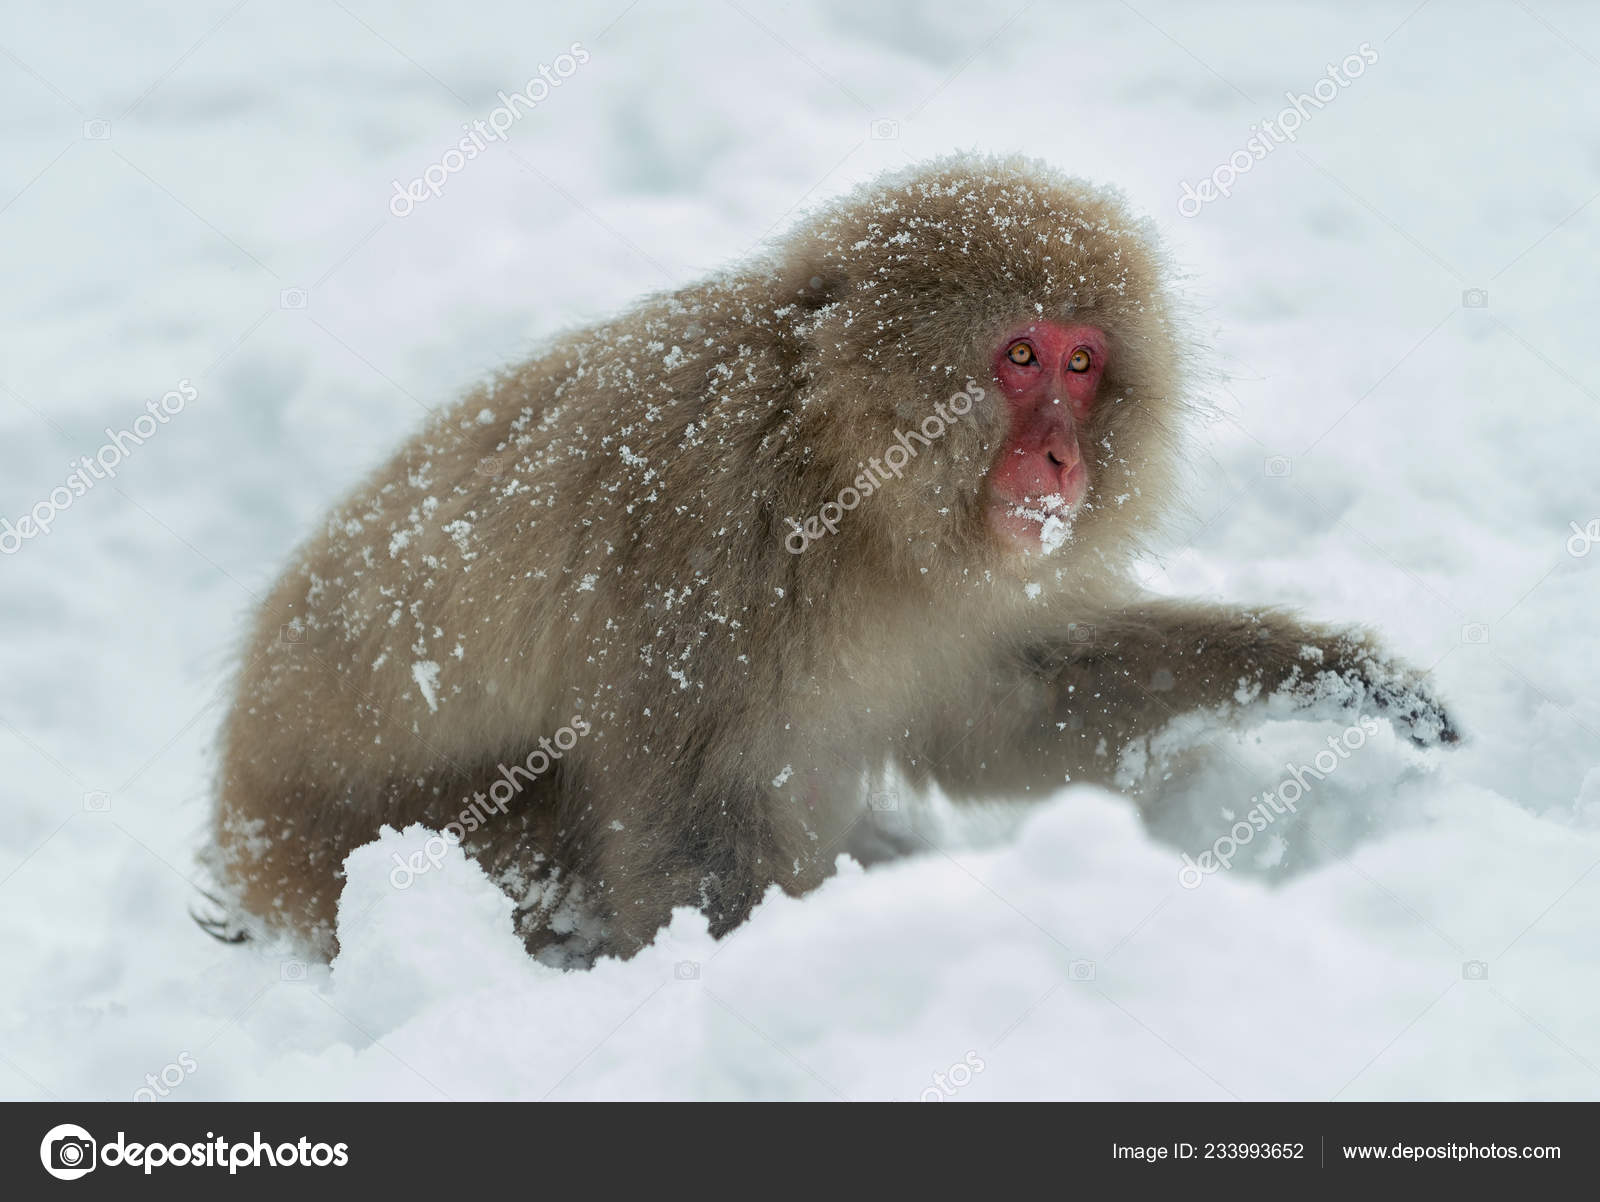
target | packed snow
x=245, y=262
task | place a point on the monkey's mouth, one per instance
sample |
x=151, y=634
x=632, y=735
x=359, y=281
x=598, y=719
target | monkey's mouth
x=1038, y=524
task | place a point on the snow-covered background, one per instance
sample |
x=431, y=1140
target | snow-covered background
x=1389, y=449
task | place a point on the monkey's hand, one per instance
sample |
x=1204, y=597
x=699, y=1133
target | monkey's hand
x=1348, y=674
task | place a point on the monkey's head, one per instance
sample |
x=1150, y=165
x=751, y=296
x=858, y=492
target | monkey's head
x=1035, y=296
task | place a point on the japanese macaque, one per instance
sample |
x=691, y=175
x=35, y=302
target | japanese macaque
x=640, y=622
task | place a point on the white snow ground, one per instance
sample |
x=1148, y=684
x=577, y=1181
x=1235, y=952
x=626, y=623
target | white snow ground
x=1436, y=455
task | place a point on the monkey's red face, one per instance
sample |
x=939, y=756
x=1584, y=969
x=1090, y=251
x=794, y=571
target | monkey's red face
x=1049, y=374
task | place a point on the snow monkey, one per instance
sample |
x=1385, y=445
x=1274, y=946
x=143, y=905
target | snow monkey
x=640, y=622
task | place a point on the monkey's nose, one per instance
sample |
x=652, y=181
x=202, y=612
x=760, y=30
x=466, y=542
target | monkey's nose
x=1063, y=453
x=1066, y=464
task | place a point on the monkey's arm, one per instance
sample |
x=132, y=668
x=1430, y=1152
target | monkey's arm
x=1068, y=705
x=1167, y=657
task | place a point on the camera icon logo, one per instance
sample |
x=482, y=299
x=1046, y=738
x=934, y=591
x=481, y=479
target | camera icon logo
x=1080, y=632
x=97, y=802
x=67, y=1152
x=1277, y=467
x=491, y=465
x=1474, y=632
x=686, y=970
x=881, y=801
x=1475, y=298
x=292, y=298
x=97, y=130
x=883, y=129
x=292, y=970
x=293, y=633
x=1475, y=970
x=1080, y=970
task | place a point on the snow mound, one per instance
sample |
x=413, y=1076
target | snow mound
x=1046, y=966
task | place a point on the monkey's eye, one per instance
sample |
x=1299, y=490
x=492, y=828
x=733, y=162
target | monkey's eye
x=1022, y=354
x=1079, y=360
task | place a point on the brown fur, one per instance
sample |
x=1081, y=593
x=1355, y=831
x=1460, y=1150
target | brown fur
x=621, y=557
